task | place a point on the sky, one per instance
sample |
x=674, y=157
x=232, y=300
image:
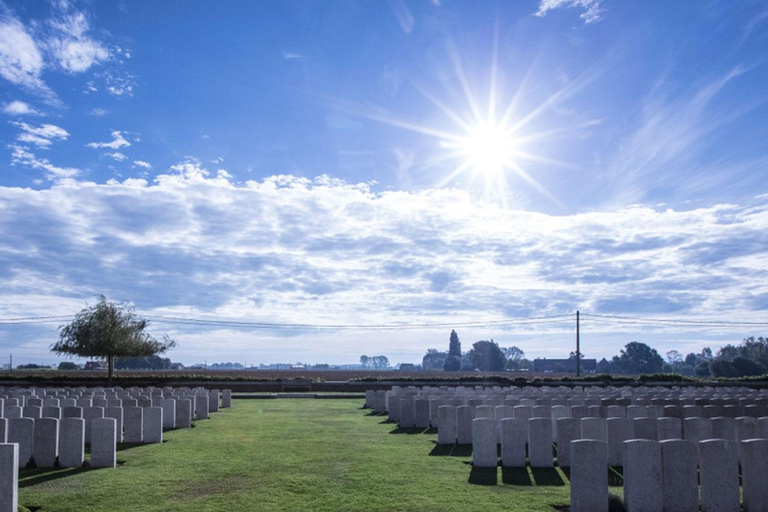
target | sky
x=428, y=164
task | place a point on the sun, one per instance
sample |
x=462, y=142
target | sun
x=487, y=148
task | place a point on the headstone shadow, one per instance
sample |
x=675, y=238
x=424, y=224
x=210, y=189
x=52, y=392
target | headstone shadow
x=451, y=450
x=547, y=477
x=30, y=477
x=407, y=431
x=483, y=476
x=516, y=476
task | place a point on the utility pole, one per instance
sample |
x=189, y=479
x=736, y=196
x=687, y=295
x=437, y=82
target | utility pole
x=578, y=347
x=10, y=367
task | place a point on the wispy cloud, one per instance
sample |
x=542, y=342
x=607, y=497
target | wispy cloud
x=402, y=14
x=670, y=133
x=118, y=141
x=120, y=157
x=142, y=164
x=21, y=60
x=292, y=55
x=592, y=9
x=42, y=136
x=72, y=47
x=22, y=156
x=19, y=108
x=99, y=112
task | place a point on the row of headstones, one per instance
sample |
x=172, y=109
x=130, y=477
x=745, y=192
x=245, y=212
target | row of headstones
x=41, y=432
x=672, y=476
x=742, y=397
x=514, y=435
x=61, y=437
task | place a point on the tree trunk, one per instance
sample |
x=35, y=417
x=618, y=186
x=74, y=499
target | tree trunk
x=110, y=368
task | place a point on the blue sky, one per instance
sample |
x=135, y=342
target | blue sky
x=368, y=162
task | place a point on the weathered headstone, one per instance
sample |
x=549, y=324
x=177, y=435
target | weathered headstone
x=754, y=468
x=133, y=418
x=540, y=442
x=568, y=429
x=514, y=435
x=72, y=442
x=670, y=427
x=589, y=476
x=643, y=491
x=9, y=477
x=226, y=399
x=46, y=445
x=593, y=428
x=22, y=432
x=103, y=443
x=446, y=425
x=679, y=470
x=183, y=413
x=464, y=424
x=719, y=476
x=153, y=425
x=484, y=443
x=618, y=430
x=201, y=407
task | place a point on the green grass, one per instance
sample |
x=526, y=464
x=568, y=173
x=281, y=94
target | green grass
x=320, y=455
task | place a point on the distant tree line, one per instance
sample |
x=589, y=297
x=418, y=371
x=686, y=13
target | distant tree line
x=485, y=355
x=374, y=362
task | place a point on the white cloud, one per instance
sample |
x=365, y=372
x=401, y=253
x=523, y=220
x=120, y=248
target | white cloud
x=19, y=108
x=142, y=164
x=99, y=112
x=593, y=9
x=120, y=157
x=42, y=136
x=117, y=142
x=72, y=48
x=288, y=55
x=290, y=249
x=21, y=155
x=21, y=61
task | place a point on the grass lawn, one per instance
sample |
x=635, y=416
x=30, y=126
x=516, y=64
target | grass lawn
x=293, y=454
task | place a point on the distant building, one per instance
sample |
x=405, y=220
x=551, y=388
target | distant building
x=94, y=365
x=564, y=365
x=407, y=367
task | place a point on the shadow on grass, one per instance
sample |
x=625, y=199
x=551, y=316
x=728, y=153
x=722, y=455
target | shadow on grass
x=484, y=476
x=547, y=477
x=30, y=477
x=408, y=431
x=516, y=476
x=374, y=413
x=451, y=450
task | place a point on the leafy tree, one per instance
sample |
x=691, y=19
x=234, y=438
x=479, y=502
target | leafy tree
x=67, y=366
x=674, y=357
x=380, y=362
x=721, y=368
x=746, y=367
x=638, y=358
x=452, y=364
x=702, y=369
x=433, y=360
x=109, y=330
x=487, y=356
x=147, y=363
x=454, y=345
x=364, y=361
x=513, y=353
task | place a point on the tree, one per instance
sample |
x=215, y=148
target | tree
x=638, y=358
x=452, y=364
x=364, y=360
x=674, y=357
x=513, y=353
x=380, y=362
x=487, y=356
x=747, y=367
x=454, y=345
x=434, y=360
x=109, y=330
x=66, y=366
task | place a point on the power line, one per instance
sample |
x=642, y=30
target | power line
x=672, y=321
x=275, y=325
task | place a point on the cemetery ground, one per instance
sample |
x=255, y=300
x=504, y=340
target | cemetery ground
x=322, y=455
